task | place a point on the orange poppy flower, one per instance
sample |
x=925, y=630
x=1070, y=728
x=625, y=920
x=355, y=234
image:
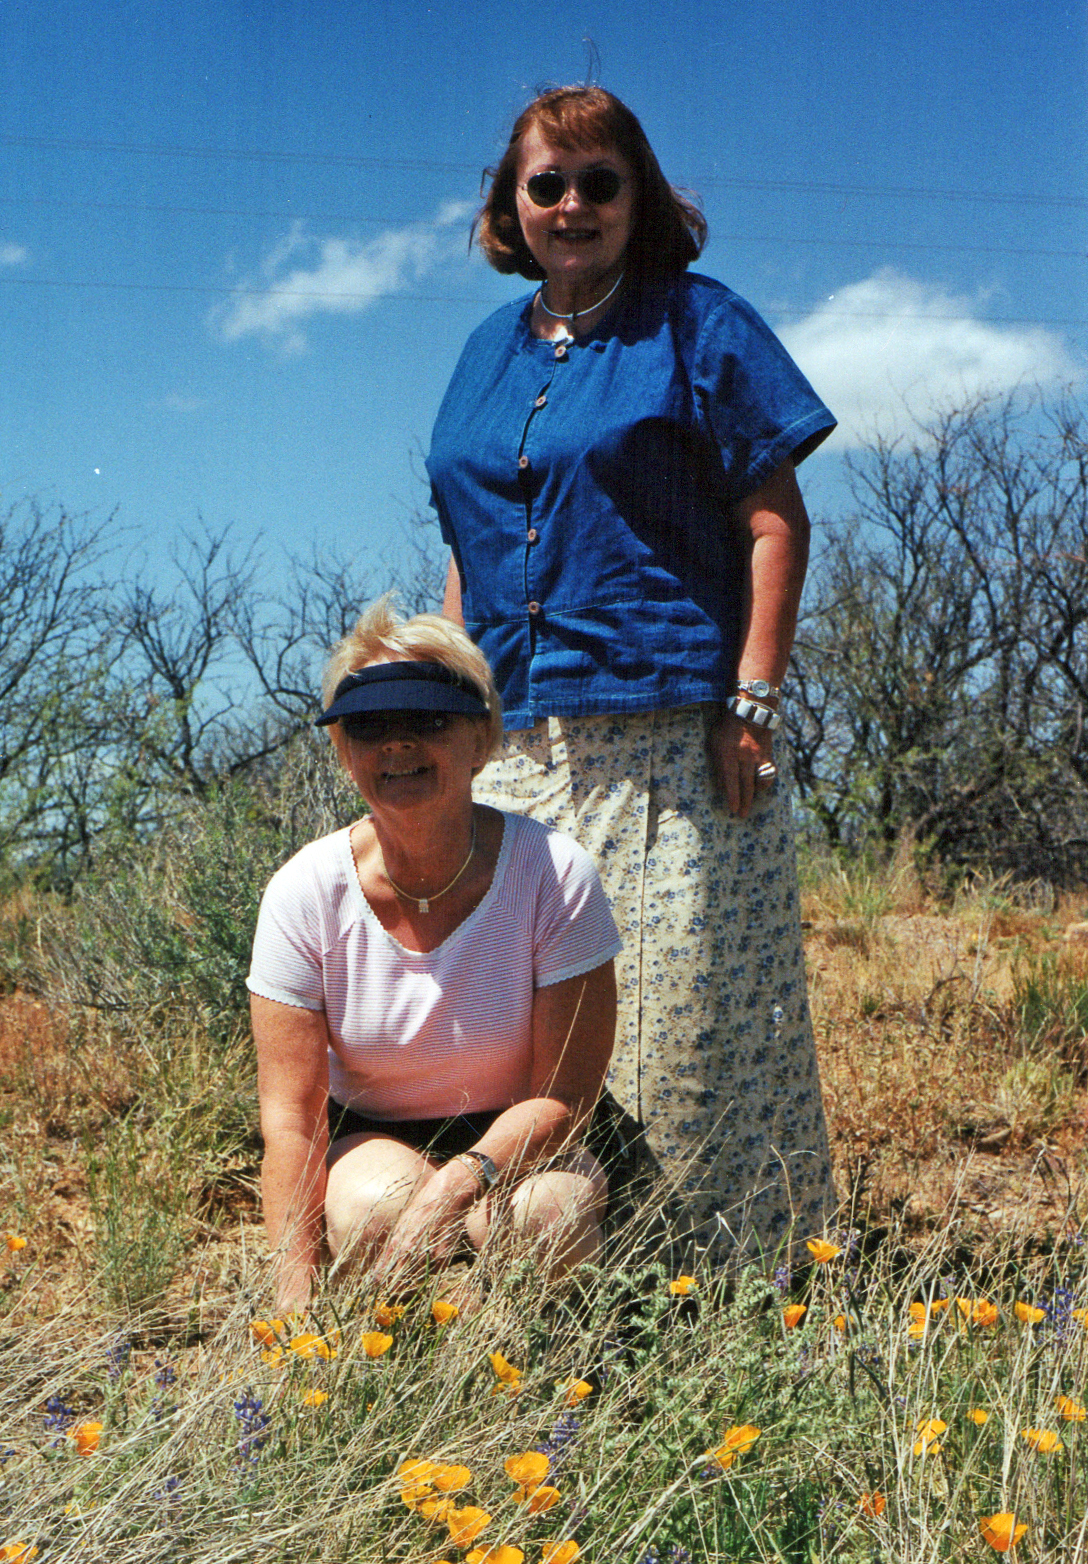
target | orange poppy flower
x=821, y=1251
x=683, y=1285
x=86, y=1437
x=308, y=1344
x=315, y=1398
x=560, y=1552
x=466, y=1525
x=978, y=1311
x=735, y=1442
x=1045, y=1440
x=442, y=1312
x=979, y=1415
x=265, y=1332
x=1071, y=1410
x=18, y=1552
x=505, y=1373
x=451, y=1479
x=576, y=1390
x=1028, y=1314
x=793, y=1314
x=388, y=1314
x=930, y=1430
x=528, y=1470
x=499, y=1553
x=15, y=1242
x=873, y=1504
x=375, y=1343
x=1001, y=1530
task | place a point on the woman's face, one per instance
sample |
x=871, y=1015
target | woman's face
x=576, y=242
x=416, y=761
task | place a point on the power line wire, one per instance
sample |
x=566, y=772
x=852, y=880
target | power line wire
x=346, y=160
x=778, y=240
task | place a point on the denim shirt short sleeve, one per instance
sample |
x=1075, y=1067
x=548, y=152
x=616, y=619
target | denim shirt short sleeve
x=586, y=492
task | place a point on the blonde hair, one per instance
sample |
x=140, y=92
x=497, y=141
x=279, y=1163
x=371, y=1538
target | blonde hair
x=381, y=632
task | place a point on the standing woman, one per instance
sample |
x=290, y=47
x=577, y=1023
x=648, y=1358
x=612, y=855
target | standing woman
x=613, y=469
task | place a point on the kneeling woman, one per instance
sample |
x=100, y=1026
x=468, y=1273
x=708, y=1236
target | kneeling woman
x=432, y=989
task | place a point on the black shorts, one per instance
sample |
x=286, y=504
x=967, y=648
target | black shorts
x=611, y=1135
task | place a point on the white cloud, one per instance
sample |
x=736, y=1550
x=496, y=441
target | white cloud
x=887, y=350
x=334, y=277
x=13, y=254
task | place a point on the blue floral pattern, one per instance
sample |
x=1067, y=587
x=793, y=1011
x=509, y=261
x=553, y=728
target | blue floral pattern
x=714, y=1047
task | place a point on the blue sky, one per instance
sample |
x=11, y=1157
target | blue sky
x=233, y=266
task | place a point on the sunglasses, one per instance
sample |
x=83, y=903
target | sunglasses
x=596, y=186
x=374, y=727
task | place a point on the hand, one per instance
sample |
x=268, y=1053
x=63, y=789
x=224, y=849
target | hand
x=429, y=1227
x=734, y=750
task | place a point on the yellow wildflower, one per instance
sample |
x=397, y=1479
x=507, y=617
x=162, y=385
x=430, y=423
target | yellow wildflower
x=466, y=1525
x=872, y=1504
x=442, y=1312
x=500, y=1553
x=979, y=1415
x=265, y=1332
x=273, y=1355
x=505, y=1373
x=15, y=1242
x=560, y=1552
x=315, y=1398
x=978, y=1311
x=1001, y=1530
x=575, y=1390
x=922, y=1314
x=528, y=1470
x=683, y=1285
x=86, y=1436
x=1028, y=1314
x=18, y=1552
x=839, y=1323
x=930, y=1430
x=388, y=1314
x=308, y=1344
x=435, y=1510
x=1071, y=1410
x=793, y=1314
x=821, y=1251
x=450, y=1479
x=735, y=1442
x=1045, y=1440
x=375, y=1343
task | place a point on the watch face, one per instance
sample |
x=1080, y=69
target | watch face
x=759, y=687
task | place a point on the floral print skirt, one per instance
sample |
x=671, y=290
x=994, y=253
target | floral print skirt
x=714, y=1054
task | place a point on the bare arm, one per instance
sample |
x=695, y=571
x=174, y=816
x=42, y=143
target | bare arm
x=774, y=526
x=451, y=602
x=293, y=1084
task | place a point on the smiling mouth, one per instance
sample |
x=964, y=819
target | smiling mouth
x=393, y=776
x=574, y=235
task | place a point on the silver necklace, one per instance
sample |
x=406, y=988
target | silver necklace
x=424, y=902
x=574, y=314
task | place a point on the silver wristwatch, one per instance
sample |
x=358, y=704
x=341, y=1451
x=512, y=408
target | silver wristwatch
x=760, y=689
x=488, y=1172
x=749, y=711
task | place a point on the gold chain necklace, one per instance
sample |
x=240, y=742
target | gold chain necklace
x=424, y=902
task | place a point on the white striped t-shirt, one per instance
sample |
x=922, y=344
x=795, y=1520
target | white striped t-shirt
x=427, y=1035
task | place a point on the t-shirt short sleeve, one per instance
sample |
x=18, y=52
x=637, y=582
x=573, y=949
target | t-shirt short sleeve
x=759, y=406
x=287, y=947
x=575, y=931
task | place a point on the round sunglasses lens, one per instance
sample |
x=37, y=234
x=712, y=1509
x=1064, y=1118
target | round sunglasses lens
x=545, y=189
x=599, y=186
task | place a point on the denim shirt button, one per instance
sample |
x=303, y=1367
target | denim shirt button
x=541, y=401
x=532, y=535
x=561, y=350
x=534, y=608
x=523, y=462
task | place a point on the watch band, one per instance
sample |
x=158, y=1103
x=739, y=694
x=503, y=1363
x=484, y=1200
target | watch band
x=760, y=689
x=751, y=711
x=481, y=1166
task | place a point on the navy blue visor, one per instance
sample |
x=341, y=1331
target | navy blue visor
x=404, y=686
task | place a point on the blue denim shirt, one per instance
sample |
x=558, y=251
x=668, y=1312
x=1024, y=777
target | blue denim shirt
x=586, y=492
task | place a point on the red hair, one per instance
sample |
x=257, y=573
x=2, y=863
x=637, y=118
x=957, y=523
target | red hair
x=669, y=229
